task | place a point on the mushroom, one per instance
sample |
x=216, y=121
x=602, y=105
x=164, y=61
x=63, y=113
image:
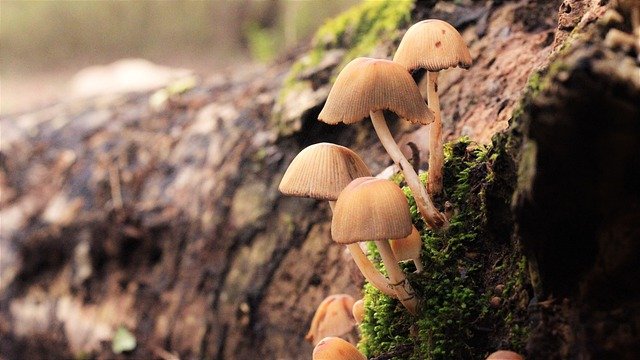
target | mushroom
x=504, y=355
x=376, y=209
x=357, y=310
x=321, y=171
x=433, y=45
x=366, y=87
x=409, y=248
x=333, y=348
x=332, y=318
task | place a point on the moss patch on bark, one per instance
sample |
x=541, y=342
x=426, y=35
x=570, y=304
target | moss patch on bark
x=474, y=288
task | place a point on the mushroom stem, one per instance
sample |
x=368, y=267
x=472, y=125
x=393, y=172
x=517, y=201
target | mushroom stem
x=431, y=215
x=398, y=281
x=366, y=267
x=370, y=273
x=436, y=149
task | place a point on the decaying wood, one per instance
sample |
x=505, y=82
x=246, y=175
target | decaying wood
x=579, y=208
x=167, y=221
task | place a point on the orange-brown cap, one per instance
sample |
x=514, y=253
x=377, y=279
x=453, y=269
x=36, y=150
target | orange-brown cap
x=433, y=45
x=358, y=311
x=332, y=318
x=372, y=209
x=366, y=85
x=407, y=248
x=321, y=171
x=505, y=355
x=333, y=348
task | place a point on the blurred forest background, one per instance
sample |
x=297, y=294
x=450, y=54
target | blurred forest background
x=44, y=43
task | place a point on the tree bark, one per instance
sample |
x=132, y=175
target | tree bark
x=167, y=221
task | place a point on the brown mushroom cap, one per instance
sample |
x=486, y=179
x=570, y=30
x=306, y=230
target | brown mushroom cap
x=321, y=171
x=333, y=348
x=505, y=355
x=372, y=209
x=366, y=85
x=433, y=45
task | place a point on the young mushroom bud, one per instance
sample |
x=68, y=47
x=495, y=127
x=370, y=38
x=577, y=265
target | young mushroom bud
x=433, y=45
x=321, y=171
x=333, y=348
x=409, y=248
x=376, y=209
x=332, y=318
x=504, y=355
x=358, y=311
x=366, y=87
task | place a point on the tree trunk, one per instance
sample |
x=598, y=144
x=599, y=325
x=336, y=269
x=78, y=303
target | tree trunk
x=166, y=219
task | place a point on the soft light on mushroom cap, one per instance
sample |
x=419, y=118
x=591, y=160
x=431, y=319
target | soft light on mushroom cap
x=332, y=318
x=433, y=45
x=358, y=311
x=321, y=171
x=374, y=209
x=407, y=248
x=333, y=348
x=366, y=85
x=504, y=355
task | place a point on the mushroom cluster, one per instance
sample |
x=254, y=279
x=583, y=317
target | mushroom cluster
x=371, y=209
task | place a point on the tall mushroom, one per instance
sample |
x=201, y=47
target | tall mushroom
x=366, y=87
x=376, y=209
x=321, y=171
x=433, y=45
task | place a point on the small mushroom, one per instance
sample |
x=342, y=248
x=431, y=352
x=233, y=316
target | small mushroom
x=505, y=355
x=358, y=311
x=321, y=171
x=366, y=87
x=332, y=318
x=333, y=348
x=433, y=45
x=409, y=248
x=376, y=209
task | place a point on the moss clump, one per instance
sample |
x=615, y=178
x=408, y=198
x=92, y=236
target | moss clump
x=361, y=28
x=464, y=265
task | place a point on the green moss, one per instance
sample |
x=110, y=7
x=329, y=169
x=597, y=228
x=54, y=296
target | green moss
x=360, y=29
x=526, y=169
x=463, y=264
x=262, y=43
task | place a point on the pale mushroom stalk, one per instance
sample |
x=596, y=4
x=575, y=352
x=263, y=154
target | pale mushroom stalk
x=367, y=269
x=398, y=281
x=436, y=148
x=432, y=216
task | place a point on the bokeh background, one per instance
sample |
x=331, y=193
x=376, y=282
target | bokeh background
x=44, y=43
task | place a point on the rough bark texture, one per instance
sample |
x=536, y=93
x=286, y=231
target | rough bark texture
x=167, y=221
x=578, y=207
